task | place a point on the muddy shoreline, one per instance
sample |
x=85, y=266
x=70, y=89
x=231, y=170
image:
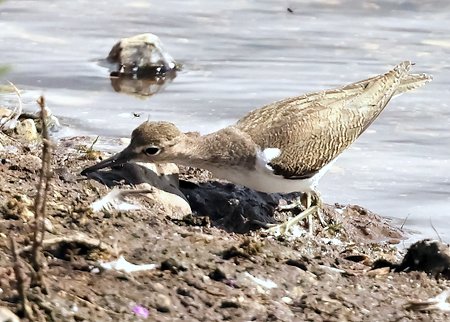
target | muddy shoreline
x=204, y=271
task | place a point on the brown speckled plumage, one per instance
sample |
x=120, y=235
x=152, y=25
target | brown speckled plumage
x=311, y=130
x=155, y=133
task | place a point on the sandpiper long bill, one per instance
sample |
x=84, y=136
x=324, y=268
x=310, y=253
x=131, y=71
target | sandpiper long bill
x=282, y=147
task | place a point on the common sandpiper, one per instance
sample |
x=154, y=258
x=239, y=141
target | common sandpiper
x=286, y=146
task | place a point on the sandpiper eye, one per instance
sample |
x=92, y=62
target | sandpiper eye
x=153, y=150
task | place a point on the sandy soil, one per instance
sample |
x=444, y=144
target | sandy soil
x=205, y=271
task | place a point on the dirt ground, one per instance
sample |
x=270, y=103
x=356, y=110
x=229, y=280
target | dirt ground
x=204, y=271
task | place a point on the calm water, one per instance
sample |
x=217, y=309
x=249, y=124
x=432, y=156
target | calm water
x=242, y=54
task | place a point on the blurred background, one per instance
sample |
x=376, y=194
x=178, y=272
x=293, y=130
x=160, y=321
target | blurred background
x=242, y=54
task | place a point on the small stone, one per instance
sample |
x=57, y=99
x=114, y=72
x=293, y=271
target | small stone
x=48, y=225
x=95, y=270
x=297, y=292
x=26, y=130
x=7, y=316
x=229, y=304
x=217, y=275
x=184, y=291
x=172, y=265
x=297, y=263
x=163, y=303
x=287, y=300
x=27, y=214
x=174, y=205
x=158, y=287
x=25, y=199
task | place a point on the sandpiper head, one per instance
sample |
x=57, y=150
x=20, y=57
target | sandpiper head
x=150, y=142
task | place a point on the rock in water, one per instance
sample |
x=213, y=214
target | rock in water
x=141, y=56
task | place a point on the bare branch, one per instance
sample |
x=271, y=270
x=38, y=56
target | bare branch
x=20, y=277
x=40, y=201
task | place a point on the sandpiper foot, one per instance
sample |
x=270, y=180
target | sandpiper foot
x=308, y=199
x=283, y=228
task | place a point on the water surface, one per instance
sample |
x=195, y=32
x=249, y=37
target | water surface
x=239, y=55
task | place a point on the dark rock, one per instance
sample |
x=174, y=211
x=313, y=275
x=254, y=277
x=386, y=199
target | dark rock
x=229, y=304
x=217, y=275
x=184, y=292
x=297, y=263
x=430, y=256
x=172, y=265
x=231, y=207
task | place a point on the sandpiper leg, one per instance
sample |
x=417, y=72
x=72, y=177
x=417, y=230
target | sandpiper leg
x=314, y=198
x=313, y=205
x=283, y=228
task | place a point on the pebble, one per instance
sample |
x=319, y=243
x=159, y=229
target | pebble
x=158, y=287
x=287, y=300
x=7, y=316
x=297, y=292
x=26, y=130
x=48, y=225
x=217, y=275
x=169, y=265
x=172, y=265
x=163, y=303
x=184, y=292
x=229, y=304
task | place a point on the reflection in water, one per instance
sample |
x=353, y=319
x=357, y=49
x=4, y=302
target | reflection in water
x=143, y=87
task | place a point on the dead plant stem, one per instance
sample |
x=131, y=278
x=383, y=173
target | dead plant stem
x=41, y=201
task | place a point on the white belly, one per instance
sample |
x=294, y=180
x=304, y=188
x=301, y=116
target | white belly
x=264, y=181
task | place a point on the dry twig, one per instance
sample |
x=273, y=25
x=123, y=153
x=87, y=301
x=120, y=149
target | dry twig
x=20, y=277
x=41, y=201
